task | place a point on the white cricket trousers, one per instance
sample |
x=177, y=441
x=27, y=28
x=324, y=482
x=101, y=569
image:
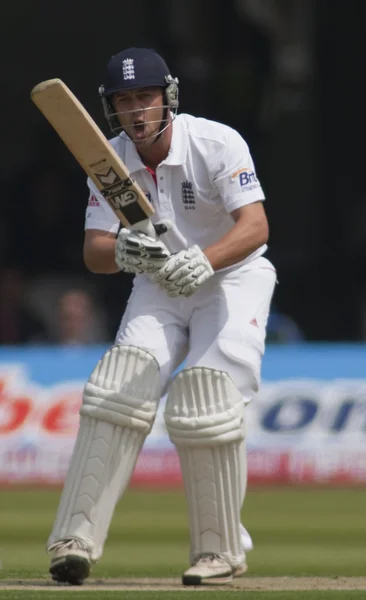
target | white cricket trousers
x=222, y=326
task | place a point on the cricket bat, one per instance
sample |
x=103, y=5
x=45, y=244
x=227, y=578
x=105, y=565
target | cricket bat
x=94, y=153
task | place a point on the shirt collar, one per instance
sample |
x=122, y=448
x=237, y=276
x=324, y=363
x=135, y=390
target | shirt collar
x=176, y=155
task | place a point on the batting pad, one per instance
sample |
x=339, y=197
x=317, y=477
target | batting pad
x=205, y=419
x=119, y=406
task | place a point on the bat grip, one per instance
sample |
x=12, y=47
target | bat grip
x=148, y=228
x=153, y=231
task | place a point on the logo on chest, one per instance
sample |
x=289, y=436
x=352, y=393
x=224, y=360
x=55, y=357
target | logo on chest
x=188, y=198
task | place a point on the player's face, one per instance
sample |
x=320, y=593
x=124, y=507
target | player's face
x=140, y=113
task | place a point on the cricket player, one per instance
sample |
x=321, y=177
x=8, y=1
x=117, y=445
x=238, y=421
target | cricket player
x=202, y=293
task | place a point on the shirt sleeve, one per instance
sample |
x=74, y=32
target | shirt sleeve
x=99, y=214
x=236, y=180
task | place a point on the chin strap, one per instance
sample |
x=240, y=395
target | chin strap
x=162, y=128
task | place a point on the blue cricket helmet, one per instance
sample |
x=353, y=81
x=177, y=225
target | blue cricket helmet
x=135, y=68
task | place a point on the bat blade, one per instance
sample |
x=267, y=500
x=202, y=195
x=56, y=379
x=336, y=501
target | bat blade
x=92, y=150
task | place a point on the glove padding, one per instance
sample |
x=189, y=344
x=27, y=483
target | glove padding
x=184, y=272
x=139, y=253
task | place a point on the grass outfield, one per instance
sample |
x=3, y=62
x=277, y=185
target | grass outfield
x=296, y=532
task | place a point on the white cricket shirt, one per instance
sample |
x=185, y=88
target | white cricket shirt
x=208, y=173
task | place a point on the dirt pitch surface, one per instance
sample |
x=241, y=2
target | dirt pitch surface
x=249, y=583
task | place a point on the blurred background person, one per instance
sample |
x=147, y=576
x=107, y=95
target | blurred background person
x=70, y=314
x=18, y=325
x=79, y=320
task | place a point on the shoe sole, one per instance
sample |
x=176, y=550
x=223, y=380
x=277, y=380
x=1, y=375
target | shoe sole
x=197, y=580
x=70, y=569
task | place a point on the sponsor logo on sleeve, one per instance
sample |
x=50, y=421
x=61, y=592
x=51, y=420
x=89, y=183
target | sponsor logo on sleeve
x=93, y=201
x=247, y=179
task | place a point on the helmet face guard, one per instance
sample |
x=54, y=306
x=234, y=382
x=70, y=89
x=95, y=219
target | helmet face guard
x=138, y=68
x=170, y=105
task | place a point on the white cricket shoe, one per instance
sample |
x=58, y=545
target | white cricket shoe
x=210, y=569
x=240, y=570
x=70, y=562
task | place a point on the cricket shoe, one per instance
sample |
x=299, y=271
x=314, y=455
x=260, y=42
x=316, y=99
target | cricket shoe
x=240, y=569
x=211, y=569
x=70, y=562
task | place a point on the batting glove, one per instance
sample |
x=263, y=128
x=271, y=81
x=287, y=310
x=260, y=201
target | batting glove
x=184, y=272
x=139, y=253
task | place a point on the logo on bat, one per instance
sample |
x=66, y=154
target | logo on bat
x=108, y=177
x=115, y=190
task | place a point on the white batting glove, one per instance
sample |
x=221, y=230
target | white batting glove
x=184, y=272
x=139, y=253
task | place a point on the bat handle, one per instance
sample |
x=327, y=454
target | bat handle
x=148, y=228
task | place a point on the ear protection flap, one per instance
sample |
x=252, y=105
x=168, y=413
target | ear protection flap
x=108, y=110
x=171, y=92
